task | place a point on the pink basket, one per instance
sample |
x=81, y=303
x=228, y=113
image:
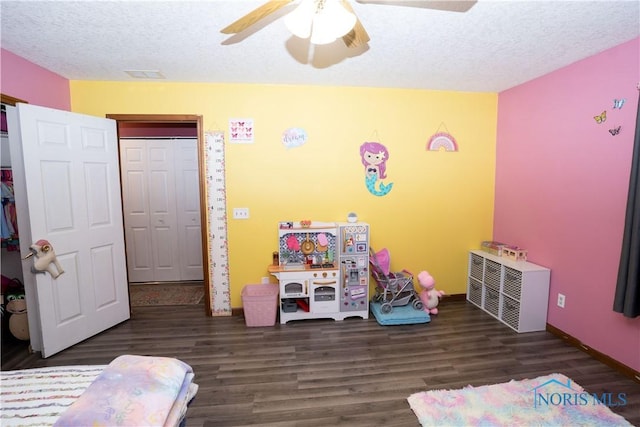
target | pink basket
x=260, y=303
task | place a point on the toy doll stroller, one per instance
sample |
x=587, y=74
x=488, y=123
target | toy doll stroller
x=392, y=289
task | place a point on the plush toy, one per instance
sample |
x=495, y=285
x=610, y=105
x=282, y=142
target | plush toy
x=15, y=306
x=429, y=296
x=45, y=259
x=18, y=322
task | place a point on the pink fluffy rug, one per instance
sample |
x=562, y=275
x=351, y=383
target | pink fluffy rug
x=551, y=400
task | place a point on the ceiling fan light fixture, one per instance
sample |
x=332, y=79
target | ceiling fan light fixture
x=322, y=20
x=300, y=20
x=331, y=22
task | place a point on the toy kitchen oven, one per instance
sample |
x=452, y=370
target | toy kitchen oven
x=323, y=270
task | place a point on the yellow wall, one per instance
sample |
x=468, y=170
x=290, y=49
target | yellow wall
x=441, y=204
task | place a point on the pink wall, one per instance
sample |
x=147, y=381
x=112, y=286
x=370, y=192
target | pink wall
x=25, y=80
x=561, y=189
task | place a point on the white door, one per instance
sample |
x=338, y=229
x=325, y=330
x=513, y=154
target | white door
x=135, y=200
x=161, y=209
x=69, y=194
x=148, y=184
x=188, y=209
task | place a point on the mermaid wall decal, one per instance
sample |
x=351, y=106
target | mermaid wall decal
x=374, y=157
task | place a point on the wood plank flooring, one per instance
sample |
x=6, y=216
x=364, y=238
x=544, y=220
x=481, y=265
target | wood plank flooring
x=323, y=372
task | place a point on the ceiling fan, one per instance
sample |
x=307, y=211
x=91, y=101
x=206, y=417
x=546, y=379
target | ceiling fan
x=353, y=33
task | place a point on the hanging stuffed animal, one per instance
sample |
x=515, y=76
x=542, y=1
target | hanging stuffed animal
x=429, y=296
x=45, y=259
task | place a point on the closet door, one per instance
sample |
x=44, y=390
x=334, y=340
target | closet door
x=149, y=201
x=135, y=204
x=188, y=209
x=162, y=207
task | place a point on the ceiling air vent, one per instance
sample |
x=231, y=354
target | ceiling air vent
x=145, y=74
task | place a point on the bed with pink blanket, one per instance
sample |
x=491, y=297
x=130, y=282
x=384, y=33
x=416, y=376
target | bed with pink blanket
x=130, y=391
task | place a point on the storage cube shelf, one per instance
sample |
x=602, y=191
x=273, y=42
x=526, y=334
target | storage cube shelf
x=514, y=292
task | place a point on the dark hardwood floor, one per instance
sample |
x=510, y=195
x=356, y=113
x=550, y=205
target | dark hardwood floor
x=324, y=372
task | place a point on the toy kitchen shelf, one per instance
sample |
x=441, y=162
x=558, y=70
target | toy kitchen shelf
x=323, y=270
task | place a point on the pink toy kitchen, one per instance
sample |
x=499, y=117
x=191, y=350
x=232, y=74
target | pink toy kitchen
x=322, y=269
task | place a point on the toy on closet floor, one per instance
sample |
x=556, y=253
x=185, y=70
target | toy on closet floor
x=14, y=303
x=429, y=296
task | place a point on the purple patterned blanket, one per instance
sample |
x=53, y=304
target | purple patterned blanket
x=134, y=391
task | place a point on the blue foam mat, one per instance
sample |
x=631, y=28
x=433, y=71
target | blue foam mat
x=403, y=315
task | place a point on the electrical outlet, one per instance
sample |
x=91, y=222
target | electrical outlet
x=265, y=280
x=561, y=299
x=240, y=213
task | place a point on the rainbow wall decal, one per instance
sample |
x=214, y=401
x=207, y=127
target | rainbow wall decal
x=442, y=140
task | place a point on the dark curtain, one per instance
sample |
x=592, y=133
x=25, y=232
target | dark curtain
x=627, y=298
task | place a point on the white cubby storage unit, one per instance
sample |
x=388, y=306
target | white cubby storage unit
x=514, y=292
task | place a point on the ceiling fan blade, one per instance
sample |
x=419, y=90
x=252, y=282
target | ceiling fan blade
x=446, y=5
x=254, y=16
x=358, y=35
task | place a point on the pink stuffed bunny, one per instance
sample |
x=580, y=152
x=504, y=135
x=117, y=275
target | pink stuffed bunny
x=429, y=296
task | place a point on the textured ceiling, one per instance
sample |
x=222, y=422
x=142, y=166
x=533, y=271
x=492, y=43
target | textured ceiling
x=493, y=46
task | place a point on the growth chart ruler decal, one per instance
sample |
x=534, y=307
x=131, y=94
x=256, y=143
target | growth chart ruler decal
x=217, y=225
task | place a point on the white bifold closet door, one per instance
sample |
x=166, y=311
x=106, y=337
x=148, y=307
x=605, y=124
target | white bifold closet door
x=161, y=203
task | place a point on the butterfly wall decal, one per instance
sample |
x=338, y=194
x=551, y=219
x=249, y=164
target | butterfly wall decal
x=601, y=118
x=618, y=103
x=615, y=131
